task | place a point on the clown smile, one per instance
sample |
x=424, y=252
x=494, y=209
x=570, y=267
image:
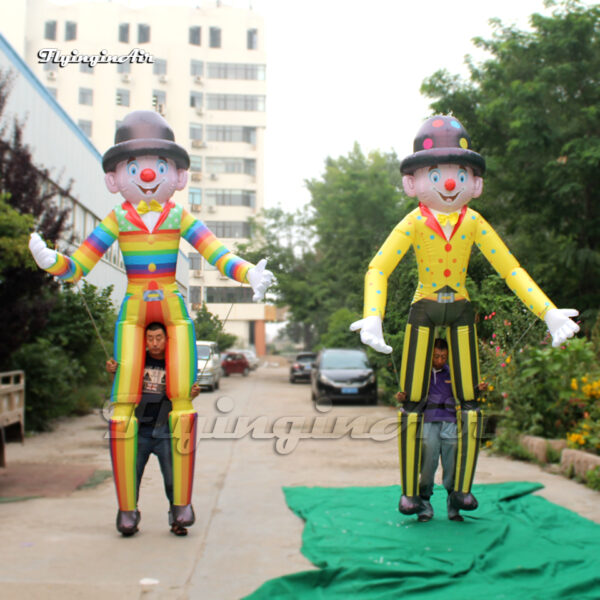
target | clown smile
x=448, y=198
x=148, y=190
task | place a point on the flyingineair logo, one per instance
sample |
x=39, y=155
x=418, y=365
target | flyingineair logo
x=54, y=55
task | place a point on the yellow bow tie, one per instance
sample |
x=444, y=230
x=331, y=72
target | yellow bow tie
x=143, y=208
x=443, y=219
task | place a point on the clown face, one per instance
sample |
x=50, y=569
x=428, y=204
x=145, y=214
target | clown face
x=146, y=178
x=446, y=188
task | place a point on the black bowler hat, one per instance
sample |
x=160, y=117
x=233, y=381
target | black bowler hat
x=441, y=140
x=144, y=132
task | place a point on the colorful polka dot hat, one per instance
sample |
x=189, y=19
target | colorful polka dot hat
x=440, y=140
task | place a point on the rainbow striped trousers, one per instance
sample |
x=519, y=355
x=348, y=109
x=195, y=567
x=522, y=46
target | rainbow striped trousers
x=140, y=308
x=459, y=319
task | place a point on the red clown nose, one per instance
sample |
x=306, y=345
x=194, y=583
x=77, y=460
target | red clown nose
x=150, y=175
x=449, y=184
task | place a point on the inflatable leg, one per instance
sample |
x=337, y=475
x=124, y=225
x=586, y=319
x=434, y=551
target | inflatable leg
x=470, y=426
x=414, y=380
x=181, y=373
x=464, y=365
x=410, y=425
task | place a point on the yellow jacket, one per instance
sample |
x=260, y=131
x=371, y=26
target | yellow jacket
x=443, y=262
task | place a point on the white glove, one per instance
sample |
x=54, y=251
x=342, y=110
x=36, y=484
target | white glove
x=371, y=333
x=560, y=326
x=260, y=279
x=44, y=257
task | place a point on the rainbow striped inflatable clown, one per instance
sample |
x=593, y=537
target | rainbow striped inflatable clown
x=146, y=167
x=444, y=173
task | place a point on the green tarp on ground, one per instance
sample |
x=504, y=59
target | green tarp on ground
x=514, y=546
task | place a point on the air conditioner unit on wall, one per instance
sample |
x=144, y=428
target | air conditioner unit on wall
x=211, y=208
x=163, y=79
x=198, y=79
x=196, y=176
x=125, y=78
x=198, y=144
x=199, y=110
x=198, y=274
x=196, y=208
x=51, y=75
x=214, y=177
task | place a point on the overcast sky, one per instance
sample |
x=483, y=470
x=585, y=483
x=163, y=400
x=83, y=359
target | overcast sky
x=340, y=71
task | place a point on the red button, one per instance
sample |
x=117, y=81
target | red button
x=448, y=247
x=447, y=273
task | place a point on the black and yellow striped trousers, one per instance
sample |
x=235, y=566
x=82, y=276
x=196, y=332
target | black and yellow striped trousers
x=459, y=319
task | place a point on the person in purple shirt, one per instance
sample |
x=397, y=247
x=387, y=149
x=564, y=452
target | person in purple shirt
x=440, y=433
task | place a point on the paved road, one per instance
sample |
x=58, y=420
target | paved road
x=67, y=547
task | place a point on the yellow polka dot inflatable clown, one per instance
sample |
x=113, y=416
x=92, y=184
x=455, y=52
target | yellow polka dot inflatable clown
x=146, y=167
x=444, y=174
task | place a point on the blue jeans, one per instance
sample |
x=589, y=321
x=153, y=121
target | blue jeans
x=439, y=438
x=157, y=442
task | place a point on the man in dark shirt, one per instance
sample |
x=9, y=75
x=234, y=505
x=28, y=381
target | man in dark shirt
x=152, y=413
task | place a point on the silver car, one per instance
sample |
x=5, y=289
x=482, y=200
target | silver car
x=209, y=364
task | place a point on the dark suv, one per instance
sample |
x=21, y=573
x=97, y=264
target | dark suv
x=302, y=366
x=343, y=374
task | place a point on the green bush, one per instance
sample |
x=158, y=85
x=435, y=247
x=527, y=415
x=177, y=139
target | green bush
x=592, y=478
x=50, y=378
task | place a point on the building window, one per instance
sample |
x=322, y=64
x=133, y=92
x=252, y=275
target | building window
x=160, y=66
x=252, y=39
x=230, y=164
x=195, y=163
x=50, y=30
x=159, y=100
x=143, y=33
x=122, y=97
x=50, y=66
x=231, y=133
x=229, y=294
x=236, y=71
x=51, y=91
x=195, y=261
x=124, y=67
x=215, y=37
x=86, y=68
x=231, y=198
x=195, y=294
x=70, y=31
x=195, y=131
x=196, y=99
x=235, y=102
x=85, y=126
x=194, y=36
x=86, y=96
x=195, y=196
x=196, y=68
x=124, y=33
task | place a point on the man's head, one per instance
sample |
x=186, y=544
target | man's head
x=440, y=353
x=145, y=163
x=156, y=340
x=443, y=172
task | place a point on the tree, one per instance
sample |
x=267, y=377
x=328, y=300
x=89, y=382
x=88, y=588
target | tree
x=209, y=327
x=27, y=294
x=533, y=111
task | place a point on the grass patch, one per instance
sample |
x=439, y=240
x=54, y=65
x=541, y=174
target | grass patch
x=98, y=477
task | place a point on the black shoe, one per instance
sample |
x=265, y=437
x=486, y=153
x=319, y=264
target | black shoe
x=410, y=505
x=182, y=515
x=462, y=501
x=127, y=522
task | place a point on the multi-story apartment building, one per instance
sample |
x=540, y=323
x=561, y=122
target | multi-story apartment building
x=204, y=69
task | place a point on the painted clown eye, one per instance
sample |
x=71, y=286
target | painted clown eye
x=462, y=176
x=434, y=176
x=162, y=167
x=132, y=169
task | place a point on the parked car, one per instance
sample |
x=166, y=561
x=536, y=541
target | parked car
x=343, y=374
x=235, y=362
x=301, y=367
x=250, y=357
x=209, y=364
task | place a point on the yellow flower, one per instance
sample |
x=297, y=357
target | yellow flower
x=574, y=384
x=491, y=388
x=584, y=380
x=508, y=359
